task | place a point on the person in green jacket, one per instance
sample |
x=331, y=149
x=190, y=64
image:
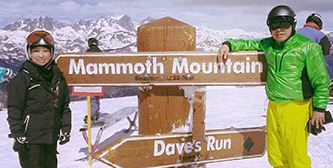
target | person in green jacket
x=297, y=86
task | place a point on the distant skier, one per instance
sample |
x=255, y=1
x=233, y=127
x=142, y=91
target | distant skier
x=95, y=100
x=312, y=30
x=38, y=105
x=5, y=74
x=297, y=87
x=93, y=45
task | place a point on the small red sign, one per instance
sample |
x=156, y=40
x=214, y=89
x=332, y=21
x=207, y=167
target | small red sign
x=87, y=91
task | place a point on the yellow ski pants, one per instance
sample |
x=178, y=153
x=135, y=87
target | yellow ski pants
x=287, y=138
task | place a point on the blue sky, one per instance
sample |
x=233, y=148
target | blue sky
x=249, y=15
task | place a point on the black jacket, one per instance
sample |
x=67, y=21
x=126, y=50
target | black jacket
x=38, y=109
x=94, y=48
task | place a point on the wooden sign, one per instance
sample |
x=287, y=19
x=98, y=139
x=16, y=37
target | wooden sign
x=179, y=149
x=162, y=69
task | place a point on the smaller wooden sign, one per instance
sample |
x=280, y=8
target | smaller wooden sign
x=180, y=149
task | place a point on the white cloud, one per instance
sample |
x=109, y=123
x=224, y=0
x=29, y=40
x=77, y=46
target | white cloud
x=68, y=6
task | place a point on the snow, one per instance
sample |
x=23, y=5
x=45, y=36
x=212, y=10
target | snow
x=226, y=106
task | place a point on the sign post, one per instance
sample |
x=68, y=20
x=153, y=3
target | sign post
x=163, y=105
x=88, y=91
x=167, y=69
x=89, y=131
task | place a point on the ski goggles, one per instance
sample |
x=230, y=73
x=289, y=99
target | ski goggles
x=37, y=36
x=276, y=25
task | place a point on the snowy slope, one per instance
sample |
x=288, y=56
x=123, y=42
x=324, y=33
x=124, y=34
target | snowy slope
x=226, y=107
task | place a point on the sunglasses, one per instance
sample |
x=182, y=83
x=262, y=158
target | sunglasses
x=36, y=36
x=276, y=25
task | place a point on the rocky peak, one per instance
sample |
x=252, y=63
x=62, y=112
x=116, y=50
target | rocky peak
x=127, y=23
x=46, y=23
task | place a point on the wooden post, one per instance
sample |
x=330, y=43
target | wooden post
x=89, y=131
x=163, y=108
x=199, y=114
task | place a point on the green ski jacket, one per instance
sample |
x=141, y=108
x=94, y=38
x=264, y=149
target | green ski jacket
x=296, y=69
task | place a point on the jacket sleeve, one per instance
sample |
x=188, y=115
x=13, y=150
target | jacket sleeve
x=318, y=76
x=17, y=89
x=67, y=113
x=244, y=45
x=326, y=45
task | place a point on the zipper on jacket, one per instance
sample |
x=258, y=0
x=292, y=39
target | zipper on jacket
x=55, y=91
x=280, y=67
x=26, y=122
x=276, y=64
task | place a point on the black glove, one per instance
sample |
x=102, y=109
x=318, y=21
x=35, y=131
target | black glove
x=328, y=117
x=20, y=144
x=64, y=138
x=315, y=131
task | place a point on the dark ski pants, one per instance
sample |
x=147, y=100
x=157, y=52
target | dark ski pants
x=94, y=105
x=38, y=156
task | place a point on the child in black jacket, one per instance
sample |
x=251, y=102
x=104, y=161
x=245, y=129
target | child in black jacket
x=38, y=105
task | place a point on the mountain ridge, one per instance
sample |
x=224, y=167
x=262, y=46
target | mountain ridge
x=114, y=33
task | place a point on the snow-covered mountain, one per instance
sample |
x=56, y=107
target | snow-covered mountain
x=113, y=33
